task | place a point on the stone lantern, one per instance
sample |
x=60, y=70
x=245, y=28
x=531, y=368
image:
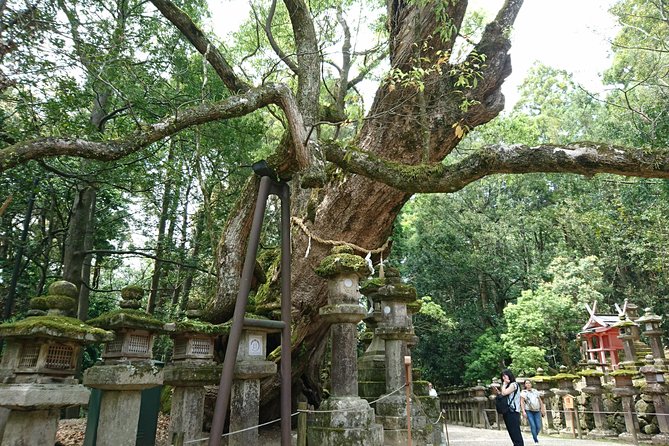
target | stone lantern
x=127, y=368
x=345, y=418
x=39, y=364
x=627, y=329
x=396, y=329
x=565, y=387
x=544, y=384
x=191, y=369
x=372, y=363
x=656, y=388
x=593, y=388
x=650, y=323
x=625, y=390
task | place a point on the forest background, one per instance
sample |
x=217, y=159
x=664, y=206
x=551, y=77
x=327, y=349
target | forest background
x=505, y=265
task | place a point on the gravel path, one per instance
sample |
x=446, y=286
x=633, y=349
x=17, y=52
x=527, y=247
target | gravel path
x=467, y=436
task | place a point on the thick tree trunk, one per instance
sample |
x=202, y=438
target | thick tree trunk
x=75, y=243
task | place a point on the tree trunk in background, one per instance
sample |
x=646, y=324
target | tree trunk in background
x=84, y=290
x=195, y=252
x=75, y=243
x=182, y=271
x=160, y=240
x=13, y=283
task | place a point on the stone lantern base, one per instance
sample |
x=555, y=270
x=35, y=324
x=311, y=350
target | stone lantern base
x=349, y=421
x=391, y=413
x=35, y=409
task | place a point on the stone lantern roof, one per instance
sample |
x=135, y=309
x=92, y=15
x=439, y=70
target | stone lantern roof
x=128, y=316
x=389, y=287
x=50, y=321
x=342, y=261
x=44, y=346
x=135, y=329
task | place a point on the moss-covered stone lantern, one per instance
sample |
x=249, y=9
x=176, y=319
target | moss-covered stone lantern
x=191, y=369
x=650, y=323
x=135, y=329
x=127, y=368
x=626, y=328
x=39, y=364
x=43, y=348
x=346, y=418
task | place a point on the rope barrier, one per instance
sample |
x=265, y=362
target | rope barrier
x=299, y=222
x=240, y=430
x=349, y=410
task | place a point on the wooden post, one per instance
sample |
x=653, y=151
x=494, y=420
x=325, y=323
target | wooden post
x=302, y=424
x=407, y=382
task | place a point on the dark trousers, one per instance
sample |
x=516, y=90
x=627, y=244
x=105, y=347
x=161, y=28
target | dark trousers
x=512, y=422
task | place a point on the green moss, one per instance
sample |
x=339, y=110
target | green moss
x=53, y=301
x=127, y=318
x=132, y=292
x=624, y=372
x=63, y=288
x=590, y=372
x=56, y=326
x=195, y=326
x=342, y=263
x=565, y=376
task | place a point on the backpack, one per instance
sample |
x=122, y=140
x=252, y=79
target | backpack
x=502, y=402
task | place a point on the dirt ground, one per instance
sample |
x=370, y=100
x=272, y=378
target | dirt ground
x=71, y=433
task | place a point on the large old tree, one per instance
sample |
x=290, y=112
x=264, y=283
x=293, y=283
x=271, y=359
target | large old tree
x=349, y=186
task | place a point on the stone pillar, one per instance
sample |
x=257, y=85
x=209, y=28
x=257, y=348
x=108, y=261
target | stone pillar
x=395, y=330
x=191, y=369
x=250, y=368
x=627, y=329
x=480, y=401
x=650, y=323
x=641, y=348
x=657, y=390
x=38, y=367
x=593, y=388
x=372, y=363
x=344, y=417
x=565, y=386
x=625, y=390
x=126, y=369
x=543, y=384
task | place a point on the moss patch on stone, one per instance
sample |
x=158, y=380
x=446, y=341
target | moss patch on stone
x=195, y=326
x=590, y=372
x=342, y=263
x=127, y=318
x=56, y=326
x=53, y=301
x=624, y=372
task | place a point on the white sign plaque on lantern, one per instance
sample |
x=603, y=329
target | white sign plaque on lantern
x=255, y=345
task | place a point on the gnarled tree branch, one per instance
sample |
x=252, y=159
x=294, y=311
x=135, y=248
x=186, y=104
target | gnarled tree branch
x=197, y=38
x=577, y=158
x=234, y=106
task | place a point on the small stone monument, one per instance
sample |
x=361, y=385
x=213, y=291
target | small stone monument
x=543, y=384
x=372, y=363
x=127, y=368
x=565, y=389
x=39, y=364
x=251, y=366
x=396, y=329
x=191, y=369
x=344, y=418
x=656, y=388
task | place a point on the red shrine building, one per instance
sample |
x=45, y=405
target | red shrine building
x=599, y=338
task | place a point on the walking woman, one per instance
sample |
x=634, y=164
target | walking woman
x=511, y=390
x=532, y=407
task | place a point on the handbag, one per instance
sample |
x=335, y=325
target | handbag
x=502, y=405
